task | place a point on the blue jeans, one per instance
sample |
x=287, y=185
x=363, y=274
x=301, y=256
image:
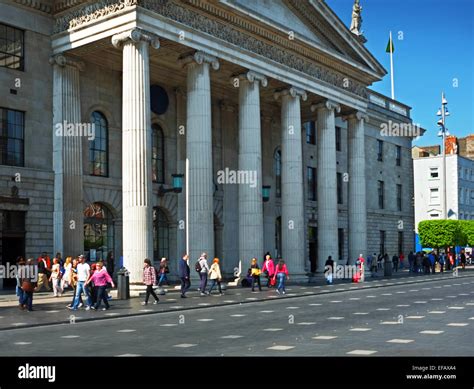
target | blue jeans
x=203, y=284
x=27, y=300
x=163, y=278
x=213, y=283
x=79, y=289
x=281, y=277
x=101, y=296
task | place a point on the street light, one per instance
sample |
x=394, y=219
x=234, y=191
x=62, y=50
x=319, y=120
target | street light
x=177, y=185
x=443, y=132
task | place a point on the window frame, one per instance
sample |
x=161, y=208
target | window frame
x=96, y=151
x=21, y=57
x=4, y=139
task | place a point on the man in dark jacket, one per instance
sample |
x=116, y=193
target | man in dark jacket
x=184, y=272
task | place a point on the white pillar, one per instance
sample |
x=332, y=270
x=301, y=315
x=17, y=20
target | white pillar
x=199, y=183
x=357, y=206
x=230, y=217
x=327, y=182
x=292, y=188
x=67, y=157
x=250, y=164
x=181, y=169
x=137, y=202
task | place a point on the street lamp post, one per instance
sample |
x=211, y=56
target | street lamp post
x=443, y=132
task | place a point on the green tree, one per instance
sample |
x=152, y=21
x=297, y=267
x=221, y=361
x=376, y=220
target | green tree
x=467, y=228
x=441, y=233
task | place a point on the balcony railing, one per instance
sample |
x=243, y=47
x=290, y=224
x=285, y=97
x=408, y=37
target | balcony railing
x=389, y=104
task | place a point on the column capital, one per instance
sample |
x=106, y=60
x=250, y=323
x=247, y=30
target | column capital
x=135, y=35
x=358, y=115
x=180, y=91
x=62, y=60
x=226, y=106
x=199, y=57
x=326, y=104
x=251, y=76
x=292, y=91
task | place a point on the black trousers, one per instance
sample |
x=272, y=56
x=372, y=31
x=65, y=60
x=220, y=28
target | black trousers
x=149, y=290
x=185, y=285
x=101, y=295
x=256, y=279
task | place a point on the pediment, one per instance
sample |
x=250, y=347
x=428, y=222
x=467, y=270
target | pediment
x=315, y=24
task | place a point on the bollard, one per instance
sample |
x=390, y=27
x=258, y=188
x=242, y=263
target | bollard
x=123, y=284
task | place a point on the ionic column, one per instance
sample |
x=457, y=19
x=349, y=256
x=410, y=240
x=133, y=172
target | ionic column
x=357, y=206
x=199, y=183
x=292, y=192
x=67, y=157
x=327, y=182
x=136, y=150
x=250, y=162
x=181, y=168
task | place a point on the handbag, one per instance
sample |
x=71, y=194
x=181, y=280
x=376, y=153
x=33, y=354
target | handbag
x=272, y=281
x=27, y=286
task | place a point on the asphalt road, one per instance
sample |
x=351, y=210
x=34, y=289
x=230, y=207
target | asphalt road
x=434, y=318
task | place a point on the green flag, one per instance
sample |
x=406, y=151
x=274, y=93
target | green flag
x=390, y=48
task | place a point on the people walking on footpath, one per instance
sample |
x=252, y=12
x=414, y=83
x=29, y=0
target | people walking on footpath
x=66, y=277
x=442, y=261
x=379, y=261
x=463, y=259
x=163, y=272
x=27, y=287
x=281, y=274
x=329, y=270
x=255, y=272
x=426, y=263
x=20, y=263
x=110, y=263
x=83, y=273
x=101, y=278
x=374, y=266
x=269, y=269
x=43, y=273
x=202, y=268
x=411, y=261
x=432, y=259
x=418, y=263
x=55, y=278
x=395, y=260
x=184, y=274
x=149, y=279
x=215, y=276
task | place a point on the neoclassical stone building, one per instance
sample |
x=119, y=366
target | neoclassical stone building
x=274, y=90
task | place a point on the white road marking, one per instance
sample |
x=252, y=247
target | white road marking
x=70, y=336
x=273, y=329
x=414, y=317
x=229, y=301
x=126, y=330
x=335, y=318
x=420, y=302
x=280, y=348
x=176, y=306
x=469, y=303
x=360, y=313
x=231, y=336
x=185, y=345
x=389, y=322
x=361, y=352
x=400, y=292
x=238, y=315
x=315, y=304
x=112, y=314
x=360, y=329
x=455, y=307
x=52, y=311
x=324, y=337
x=436, y=311
x=431, y=332
x=336, y=301
x=22, y=343
x=306, y=323
x=383, y=309
x=386, y=294
x=20, y=324
x=458, y=324
x=403, y=305
x=146, y=310
x=354, y=298
x=292, y=307
x=402, y=341
x=168, y=325
x=372, y=297
x=267, y=311
x=436, y=299
x=204, y=304
x=128, y=355
x=205, y=319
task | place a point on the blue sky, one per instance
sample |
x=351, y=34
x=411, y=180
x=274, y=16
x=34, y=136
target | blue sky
x=437, y=47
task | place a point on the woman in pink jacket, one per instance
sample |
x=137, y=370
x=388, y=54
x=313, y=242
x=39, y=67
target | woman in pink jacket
x=101, y=278
x=281, y=274
x=269, y=269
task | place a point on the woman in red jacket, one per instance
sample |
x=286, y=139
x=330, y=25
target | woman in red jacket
x=281, y=274
x=269, y=269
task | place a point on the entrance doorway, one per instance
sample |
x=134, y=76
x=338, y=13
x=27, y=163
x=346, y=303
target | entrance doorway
x=12, y=234
x=12, y=249
x=313, y=248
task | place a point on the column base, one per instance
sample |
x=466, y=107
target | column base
x=299, y=278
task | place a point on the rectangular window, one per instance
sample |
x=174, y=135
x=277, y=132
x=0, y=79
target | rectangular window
x=399, y=197
x=312, y=188
x=381, y=194
x=338, y=139
x=400, y=242
x=434, y=196
x=310, y=128
x=340, y=242
x=12, y=47
x=434, y=172
x=379, y=150
x=399, y=156
x=339, y=188
x=12, y=133
x=382, y=242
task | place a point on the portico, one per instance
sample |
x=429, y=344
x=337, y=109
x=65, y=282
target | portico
x=214, y=124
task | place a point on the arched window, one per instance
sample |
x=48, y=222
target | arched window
x=158, y=157
x=161, y=245
x=278, y=236
x=277, y=169
x=98, y=147
x=98, y=232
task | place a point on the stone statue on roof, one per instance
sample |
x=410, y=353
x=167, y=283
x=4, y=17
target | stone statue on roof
x=356, y=18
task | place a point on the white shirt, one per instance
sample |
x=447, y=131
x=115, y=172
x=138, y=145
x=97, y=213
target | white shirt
x=83, y=270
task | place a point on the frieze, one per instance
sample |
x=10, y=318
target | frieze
x=215, y=28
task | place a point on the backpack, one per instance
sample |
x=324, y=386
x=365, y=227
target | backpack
x=198, y=266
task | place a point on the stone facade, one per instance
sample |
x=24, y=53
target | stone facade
x=205, y=216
